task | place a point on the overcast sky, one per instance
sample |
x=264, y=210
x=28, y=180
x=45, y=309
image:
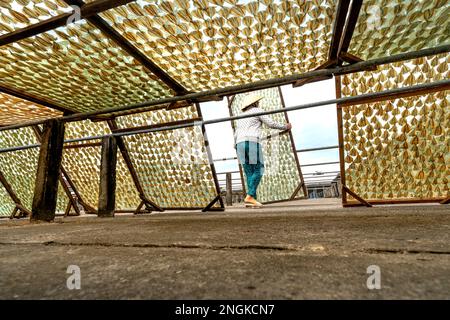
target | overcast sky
x=315, y=127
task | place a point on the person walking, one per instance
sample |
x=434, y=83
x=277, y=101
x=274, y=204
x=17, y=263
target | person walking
x=248, y=145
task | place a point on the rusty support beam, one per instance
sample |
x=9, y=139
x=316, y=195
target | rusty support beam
x=258, y=85
x=350, y=26
x=328, y=64
x=352, y=59
x=294, y=149
x=134, y=176
x=301, y=185
x=86, y=10
x=63, y=178
x=72, y=201
x=107, y=193
x=208, y=98
x=72, y=186
x=9, y=189
x=47, y=176
x=210, y=159
x=354, y=195
x=338, y=28
x=138, y=209
x=394, y=201
x=150, y=204
x=340, y=139
x=159, y=125
x=34, y=99
x=393, y=96
x=209, y=207
x=101, y=24
x=83, y=145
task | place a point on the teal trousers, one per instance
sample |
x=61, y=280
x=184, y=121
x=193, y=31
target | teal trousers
x=251, y=158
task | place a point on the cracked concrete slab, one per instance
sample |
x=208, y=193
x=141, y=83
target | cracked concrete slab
x=298, y=250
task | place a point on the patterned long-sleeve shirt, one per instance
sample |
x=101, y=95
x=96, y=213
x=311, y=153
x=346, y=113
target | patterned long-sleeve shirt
x=249, y=129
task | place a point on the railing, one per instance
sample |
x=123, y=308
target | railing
x=313, y=181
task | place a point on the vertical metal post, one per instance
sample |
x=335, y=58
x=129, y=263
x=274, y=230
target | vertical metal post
x=294, y=150
x=210, y=159
x=48, y=171
x=341, y=140
x=229, y=188
x=63, y=178
x=134, y=176
x=107, y=193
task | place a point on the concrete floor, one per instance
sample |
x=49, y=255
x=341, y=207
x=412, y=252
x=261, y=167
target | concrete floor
x=309, y=249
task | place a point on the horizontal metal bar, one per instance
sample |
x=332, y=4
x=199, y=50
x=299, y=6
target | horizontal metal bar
x=258, y=85
x=299, y=150
x=243, y=116
x=318, y=149
x=320, y=177
x=225, y=172
x=314, y=173
x=225, y=159
x=318, y=164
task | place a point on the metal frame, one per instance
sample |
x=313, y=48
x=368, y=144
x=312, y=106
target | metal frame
x=126, y=157
x=294, y=150
x=211, y=163
x=110, y=32
x=382, y=97
x=301, y=184
x=86, y=11
x=64, y=180
x=18, y=204
x=263, y=84
x=149, y=204
x=431, y=86
x=343, y=27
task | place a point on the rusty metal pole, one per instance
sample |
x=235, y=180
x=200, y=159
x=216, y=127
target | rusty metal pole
x=47, y=176
x=107, y=193
x=229, y=187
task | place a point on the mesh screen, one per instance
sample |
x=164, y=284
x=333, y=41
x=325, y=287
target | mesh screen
x=282, y=175
x=211, y=44
x=387, y=27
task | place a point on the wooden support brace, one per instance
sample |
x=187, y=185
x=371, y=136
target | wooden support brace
x=64, y=179
x=294, y=194
x=328, y=64
x=126, y=157
x=351, y=59
x=20, y=212
x=107, y=194
x=48, y=171
x=69, y=206
x=9, y=190
x=354, y=195
x=88, y=209
x=138, y=209
x=209, y=98
x=178, y=105
x=13, y=214
x=209, y=207
x=150, y=204
x=445, y=201
x=211, y=164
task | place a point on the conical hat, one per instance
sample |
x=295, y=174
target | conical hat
x=250, y=99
